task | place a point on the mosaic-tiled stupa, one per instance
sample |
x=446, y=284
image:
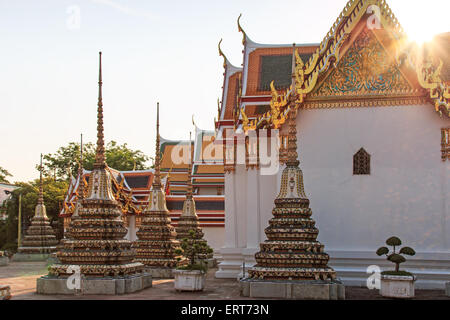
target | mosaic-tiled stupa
x=95, y=239
x=157, y=244
x=292, y=251
x=188, y=221
x=40, y=240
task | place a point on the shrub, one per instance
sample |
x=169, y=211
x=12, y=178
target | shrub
x=394, y=257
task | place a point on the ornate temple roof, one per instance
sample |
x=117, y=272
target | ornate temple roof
x=441, y=47
x=425, y=82
x=132, y=188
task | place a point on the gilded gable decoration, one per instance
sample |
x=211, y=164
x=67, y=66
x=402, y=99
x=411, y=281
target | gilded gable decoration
x=365, y=69
x=362, y=69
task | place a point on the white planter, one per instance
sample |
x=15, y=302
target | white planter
x=397, y=286
x=186, y=280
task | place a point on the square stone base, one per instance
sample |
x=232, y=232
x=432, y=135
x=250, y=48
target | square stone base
x=447, y=289
x=106, y=286
x=160, y=273
x=4, y=261
x=297, y=290
x=30, y=257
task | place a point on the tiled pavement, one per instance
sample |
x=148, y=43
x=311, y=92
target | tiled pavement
x=21, y=277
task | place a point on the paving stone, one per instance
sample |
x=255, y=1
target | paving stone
x=21, y=277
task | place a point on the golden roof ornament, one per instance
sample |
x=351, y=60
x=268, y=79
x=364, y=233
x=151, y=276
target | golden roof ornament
x=225, y=60
x=240, y=29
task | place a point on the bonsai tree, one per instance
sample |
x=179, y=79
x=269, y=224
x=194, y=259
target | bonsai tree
x=395, y=257
x=195, y=251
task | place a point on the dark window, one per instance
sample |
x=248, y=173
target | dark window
x=275, y=68
x=262, y=109
x=137, y=181
x=361, y=162
x=200, y=205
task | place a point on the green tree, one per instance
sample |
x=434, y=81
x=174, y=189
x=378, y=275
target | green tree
x=65, y=159
x=3, y=174
x=54, y=193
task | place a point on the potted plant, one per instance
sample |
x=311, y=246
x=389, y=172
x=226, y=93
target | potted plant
x=396, y=283
x=192, y=276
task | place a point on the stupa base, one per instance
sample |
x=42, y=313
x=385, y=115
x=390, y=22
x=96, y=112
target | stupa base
x=296, y=290
x=101, y=286
x=160, y=273
x=31, y=257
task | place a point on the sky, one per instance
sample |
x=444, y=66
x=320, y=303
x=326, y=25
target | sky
x=153, y=51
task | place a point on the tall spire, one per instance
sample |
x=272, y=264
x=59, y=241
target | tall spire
x=100, y=153
x=292, y=131
x=80, y=171
x=157, y=180
x=100, y=185
x=189, y=177
x=292, y=139
x=40, y=239
x=41, y=189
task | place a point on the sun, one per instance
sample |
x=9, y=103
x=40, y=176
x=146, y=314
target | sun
x=420, y=36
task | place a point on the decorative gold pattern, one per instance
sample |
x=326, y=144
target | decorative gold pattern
x=329, y=55
x=429, y=76
x=366, y=69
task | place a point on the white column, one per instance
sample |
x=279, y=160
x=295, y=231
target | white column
x=230, y=265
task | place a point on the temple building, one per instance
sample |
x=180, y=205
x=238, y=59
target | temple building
x=373, y=144
x=132, y=188
x=95, y=246
x=40, y=239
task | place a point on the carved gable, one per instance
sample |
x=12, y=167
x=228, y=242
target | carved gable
x=365, y=75
x=365, y=69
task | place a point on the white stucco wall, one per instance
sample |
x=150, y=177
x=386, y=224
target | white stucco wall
x=406, y=194
x=215, y=237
